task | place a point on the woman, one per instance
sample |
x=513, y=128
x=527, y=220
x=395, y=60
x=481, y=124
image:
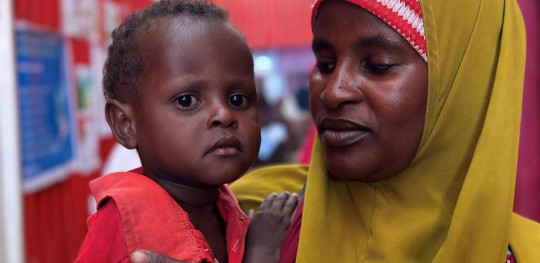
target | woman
x=440, y=188
x=417, y=150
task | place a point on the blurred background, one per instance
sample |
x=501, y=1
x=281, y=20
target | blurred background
x=53, y=134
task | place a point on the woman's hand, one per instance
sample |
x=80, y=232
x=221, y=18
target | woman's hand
x=269, y=227
x=145, y=256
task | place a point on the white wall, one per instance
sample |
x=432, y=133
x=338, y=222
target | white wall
x=11, y=219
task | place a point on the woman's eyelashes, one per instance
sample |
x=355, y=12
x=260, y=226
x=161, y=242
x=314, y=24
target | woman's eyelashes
x=328, y=67
x=377, y=68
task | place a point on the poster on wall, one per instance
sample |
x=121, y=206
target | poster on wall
x=47, y=127
x=80, y=19
x=87, y=159
x=113, y=13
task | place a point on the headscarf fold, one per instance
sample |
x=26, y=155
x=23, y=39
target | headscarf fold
x=454, y=201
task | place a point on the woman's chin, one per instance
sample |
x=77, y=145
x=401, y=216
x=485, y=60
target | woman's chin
x=340, y=174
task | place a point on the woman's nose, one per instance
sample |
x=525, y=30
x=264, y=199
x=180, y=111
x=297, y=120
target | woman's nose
x=222, y=116
x=343, y=88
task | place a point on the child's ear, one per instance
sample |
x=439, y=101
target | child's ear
x=120, y=119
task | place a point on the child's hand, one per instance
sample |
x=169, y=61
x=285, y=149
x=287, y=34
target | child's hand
x=145, y=256
x=269, y=226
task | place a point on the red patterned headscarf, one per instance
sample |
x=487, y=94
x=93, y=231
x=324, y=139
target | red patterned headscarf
x=404, y=16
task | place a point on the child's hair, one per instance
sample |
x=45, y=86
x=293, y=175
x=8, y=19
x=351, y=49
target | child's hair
x=124, y=63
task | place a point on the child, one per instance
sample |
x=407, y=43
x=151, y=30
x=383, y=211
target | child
x=180, y=89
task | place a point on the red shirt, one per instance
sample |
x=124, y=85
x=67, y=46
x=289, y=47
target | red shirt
x=136, y=213
x=290, y=245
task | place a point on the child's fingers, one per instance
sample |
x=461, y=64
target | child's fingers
x=290, y=204
x=279, y=201
x=267, y=203
x=145, y=256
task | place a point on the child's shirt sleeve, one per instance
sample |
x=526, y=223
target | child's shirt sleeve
x=105, y=240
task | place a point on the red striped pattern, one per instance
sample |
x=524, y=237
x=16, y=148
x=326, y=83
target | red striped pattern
x=405, y=16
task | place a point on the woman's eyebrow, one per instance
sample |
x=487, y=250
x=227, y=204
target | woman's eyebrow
x=377, y=41
x=320, y=44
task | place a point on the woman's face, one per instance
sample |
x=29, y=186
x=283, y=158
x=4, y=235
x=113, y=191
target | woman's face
x=367, y=94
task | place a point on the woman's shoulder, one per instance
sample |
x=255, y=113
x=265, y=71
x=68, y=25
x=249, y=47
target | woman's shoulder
x=525, y=239
x=252, y=188
x=280, y=178
x=282, y=171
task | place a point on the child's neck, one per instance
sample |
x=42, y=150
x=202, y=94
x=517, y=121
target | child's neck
x=192, y=199
x=200, y=204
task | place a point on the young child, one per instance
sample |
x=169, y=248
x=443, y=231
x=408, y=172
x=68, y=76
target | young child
x=180, y=89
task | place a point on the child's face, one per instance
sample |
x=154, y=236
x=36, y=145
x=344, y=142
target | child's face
x=196, y=115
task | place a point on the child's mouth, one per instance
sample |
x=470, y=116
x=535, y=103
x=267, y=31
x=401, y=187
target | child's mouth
x=227, y=145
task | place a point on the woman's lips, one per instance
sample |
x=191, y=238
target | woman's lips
x=226, y=146
x=337, y=132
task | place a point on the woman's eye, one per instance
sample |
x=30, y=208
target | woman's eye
x=326, y=67
x=377, y=68
x=187, y=101
x=238, y=100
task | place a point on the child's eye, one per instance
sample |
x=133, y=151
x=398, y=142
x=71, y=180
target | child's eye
x=187, y=101
x=238, y=100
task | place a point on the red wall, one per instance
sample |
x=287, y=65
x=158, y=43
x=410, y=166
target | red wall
x=271, y=23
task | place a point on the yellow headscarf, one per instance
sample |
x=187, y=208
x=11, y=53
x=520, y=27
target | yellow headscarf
x=454, y=202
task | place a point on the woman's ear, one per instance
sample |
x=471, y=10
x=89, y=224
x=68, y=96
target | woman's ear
x=120, y=119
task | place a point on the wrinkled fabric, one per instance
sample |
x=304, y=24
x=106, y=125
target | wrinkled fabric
x=253, y=188
x=152, y=220
x=105, y=240
x=457, y=193
x=525, y=239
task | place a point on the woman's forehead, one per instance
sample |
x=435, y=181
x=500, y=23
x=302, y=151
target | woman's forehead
x=404, y=16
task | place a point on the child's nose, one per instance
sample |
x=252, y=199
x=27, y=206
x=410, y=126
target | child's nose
x=222, y=116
